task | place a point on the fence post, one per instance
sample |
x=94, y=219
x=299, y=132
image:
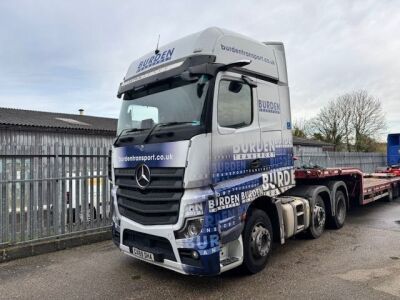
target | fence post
x=71, y=194
x=98, y=182
x=63, y=196
x=85, y=190
x=13, y=194
x=91, y=190
x=4, y=209
x=22, y=196
x=56, y=190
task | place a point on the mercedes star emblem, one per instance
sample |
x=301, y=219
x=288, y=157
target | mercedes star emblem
x=143, y=176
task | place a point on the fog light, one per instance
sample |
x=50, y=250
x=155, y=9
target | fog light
x=195, y=254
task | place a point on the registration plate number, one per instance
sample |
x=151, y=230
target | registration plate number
x=142, y=254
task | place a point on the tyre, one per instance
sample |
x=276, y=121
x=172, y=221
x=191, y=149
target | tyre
x=318, y=219
x=337, y=221
x=257, y=242
x=390, y=196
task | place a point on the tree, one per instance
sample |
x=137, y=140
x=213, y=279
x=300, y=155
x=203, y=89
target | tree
x=344, y=105
x=367, y=119
x=328, y=125
x=353, y=120
x=301, y=128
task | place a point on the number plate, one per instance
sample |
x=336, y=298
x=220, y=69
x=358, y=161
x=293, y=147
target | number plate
x=142, y=254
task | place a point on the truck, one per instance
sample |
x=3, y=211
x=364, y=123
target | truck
x=393, y=149
x=202, y=167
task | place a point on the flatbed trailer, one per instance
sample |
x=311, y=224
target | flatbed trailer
x=362, y=188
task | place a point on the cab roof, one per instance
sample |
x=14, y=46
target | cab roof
x=267, y=59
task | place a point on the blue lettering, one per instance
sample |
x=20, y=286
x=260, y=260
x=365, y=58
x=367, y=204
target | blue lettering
x=155, y=60
x=169, y=53
x=269, y=106
x=163, y=56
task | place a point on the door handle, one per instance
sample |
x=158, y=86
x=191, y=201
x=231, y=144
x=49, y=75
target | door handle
x=254, y=164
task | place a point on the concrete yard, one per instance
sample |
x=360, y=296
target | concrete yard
x=362, y=261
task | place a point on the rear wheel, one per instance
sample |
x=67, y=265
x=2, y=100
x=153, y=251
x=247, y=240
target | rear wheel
x=337, y=221
x=318, y=219
x=390, y=196
x=257, y=241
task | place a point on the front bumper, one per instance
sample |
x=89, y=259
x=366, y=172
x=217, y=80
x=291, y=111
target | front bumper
x=160, y=240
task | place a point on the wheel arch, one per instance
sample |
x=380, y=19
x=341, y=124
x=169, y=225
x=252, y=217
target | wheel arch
x=269, y=206
x=311, y=192
x=335, y=186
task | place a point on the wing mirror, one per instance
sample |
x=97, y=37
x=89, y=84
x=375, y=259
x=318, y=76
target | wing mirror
x=235, y=86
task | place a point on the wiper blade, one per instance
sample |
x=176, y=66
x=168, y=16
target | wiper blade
x=163, y=125
x=126, y=130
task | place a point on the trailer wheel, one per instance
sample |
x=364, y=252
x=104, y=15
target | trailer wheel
x=390, y=196
x=318, y=219
x=337, y=221
x=257, y=241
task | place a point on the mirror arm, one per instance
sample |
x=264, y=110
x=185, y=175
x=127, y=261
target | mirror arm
x=236, y=64
x=249, y=81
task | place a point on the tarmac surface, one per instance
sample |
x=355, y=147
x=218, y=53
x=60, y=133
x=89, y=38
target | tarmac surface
x=359, y=261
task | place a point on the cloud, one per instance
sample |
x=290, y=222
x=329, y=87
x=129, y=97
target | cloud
x=64, y=55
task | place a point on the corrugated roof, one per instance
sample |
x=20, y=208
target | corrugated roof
x=30, y=118
x=309, y=142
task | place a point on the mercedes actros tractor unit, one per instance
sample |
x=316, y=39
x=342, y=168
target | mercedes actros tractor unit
x=202, y=167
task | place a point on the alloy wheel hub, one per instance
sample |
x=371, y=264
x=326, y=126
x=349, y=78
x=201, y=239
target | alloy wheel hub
x=260, y=241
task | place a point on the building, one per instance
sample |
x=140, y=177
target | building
x=30, y=128
x=303, y=145
x=27, y=127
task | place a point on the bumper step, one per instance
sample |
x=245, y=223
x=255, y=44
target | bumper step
x=229, y=261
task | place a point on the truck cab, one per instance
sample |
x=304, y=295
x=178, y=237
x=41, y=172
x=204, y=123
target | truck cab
x=203, y=156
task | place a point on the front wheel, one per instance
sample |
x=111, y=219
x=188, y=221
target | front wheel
x=318, y=218
x=257, y=241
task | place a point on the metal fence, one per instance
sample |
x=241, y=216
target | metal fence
x=367, y=162
x=52, y=191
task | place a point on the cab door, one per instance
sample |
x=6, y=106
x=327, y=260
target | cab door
x=236, y=131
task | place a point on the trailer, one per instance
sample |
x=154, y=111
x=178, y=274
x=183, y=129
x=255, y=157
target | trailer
x=362, y=188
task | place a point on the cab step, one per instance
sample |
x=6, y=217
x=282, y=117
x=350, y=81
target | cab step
x=229, y=261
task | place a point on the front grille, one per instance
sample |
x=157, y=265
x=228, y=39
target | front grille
x=159, y=246
x=158, y=204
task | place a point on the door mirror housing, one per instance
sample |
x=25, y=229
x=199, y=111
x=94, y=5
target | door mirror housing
x=235, y=87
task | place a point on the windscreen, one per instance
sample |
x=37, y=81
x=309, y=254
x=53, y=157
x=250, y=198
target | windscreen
x=173, y=101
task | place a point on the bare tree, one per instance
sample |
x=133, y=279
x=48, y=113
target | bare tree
x=353, y=119
x=368, y=119
x=301, y=128
x=328, y=125
x=345, y=107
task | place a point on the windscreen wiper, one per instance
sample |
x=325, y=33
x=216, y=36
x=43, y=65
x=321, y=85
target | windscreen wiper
x=163, y=125
x=126, y=130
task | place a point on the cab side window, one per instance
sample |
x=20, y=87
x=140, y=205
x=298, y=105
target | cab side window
x=235, y=104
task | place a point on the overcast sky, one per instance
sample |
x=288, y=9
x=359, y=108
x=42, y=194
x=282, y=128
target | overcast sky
x=64, y=55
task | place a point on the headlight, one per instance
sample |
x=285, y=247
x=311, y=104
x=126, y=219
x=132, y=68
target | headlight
x=191, y=229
